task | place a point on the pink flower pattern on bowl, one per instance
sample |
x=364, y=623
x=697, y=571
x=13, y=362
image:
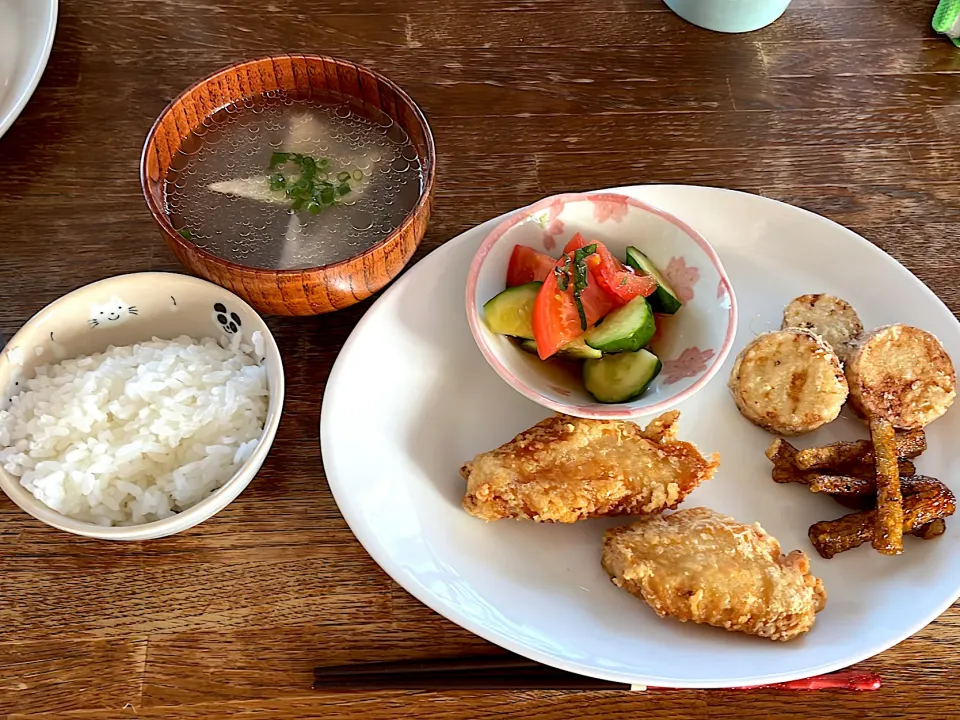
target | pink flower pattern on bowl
x=691, y=363
x=618, y=221
x=683, y=277
x=552, y=224
x=604, y=210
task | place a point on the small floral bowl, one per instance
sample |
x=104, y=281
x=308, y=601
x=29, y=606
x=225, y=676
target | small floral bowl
x=125, y=310
x=692, y=344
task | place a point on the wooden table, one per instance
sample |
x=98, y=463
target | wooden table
x=847, y=107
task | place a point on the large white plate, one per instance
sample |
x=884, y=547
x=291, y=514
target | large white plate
x=410, y=399
x=26, y=36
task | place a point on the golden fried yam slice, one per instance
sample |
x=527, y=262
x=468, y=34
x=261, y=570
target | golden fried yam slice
x=698, y=565
x=831, y=537
x=566, y=469
x=902, y=374
x=788, y=382
x=830, y=318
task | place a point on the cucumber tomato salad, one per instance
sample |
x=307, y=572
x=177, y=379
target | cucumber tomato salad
x=586, y=306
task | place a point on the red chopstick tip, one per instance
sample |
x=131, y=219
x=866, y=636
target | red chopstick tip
x=846, y=680
x=843, y=680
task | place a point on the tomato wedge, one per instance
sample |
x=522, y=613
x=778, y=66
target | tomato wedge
x=556, y=320
x=576, y=242
x=623, y=284
x=620, y=282
x=528, y=265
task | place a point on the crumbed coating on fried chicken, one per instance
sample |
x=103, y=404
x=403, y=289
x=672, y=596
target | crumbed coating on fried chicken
x=698, y=565
x=566, y=469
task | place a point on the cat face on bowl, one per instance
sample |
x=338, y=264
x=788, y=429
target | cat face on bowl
x=115, y=311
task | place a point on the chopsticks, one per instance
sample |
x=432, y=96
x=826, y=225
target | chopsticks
x=512, y=672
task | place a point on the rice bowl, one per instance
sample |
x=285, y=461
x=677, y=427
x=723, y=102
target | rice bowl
x=137, y=407
x=137, y=433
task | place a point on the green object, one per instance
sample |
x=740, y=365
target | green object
x=580, y=279
x=529, y=346
x=575, y=350
x=664, y=299
x=946, y=20
x=627, y=328
x=621, y=377
x=311, y=190
x=511, y=312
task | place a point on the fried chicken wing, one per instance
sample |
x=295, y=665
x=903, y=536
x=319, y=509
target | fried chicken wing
x=566, y=469
x=701, y=566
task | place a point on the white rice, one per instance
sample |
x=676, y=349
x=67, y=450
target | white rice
x=138, y=433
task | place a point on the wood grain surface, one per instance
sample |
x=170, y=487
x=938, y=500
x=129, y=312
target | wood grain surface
x=849, y=108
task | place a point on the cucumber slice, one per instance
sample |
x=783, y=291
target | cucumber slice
x=627, y=328
x=579, y=350
x=576, y=350
x=621, y=377
x=511, y=312
x=664, y=300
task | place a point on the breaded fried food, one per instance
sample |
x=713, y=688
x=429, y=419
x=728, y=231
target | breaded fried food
x=902, y=374
x=566, y=469
x=830, y=318
x=701, y=566
x=910, y=444
x=788, y=382
x=662, y=428
x=831, y=537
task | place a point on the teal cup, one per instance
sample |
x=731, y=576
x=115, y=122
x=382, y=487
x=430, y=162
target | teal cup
x=729, y=16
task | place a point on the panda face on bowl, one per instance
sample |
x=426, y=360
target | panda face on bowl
x=229, y=321
x=122, y=311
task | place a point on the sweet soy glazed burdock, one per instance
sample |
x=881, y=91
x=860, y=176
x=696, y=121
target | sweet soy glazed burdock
x=274, y=182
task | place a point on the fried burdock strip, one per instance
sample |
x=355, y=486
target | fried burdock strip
x=780, y=452
x=857, y=502
x=783, y=456
x=869, y=470
x=909, y=444
x=831, y=537
x=888, y=530
x=783, y=473
x=846, y=485
x=933, y=529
